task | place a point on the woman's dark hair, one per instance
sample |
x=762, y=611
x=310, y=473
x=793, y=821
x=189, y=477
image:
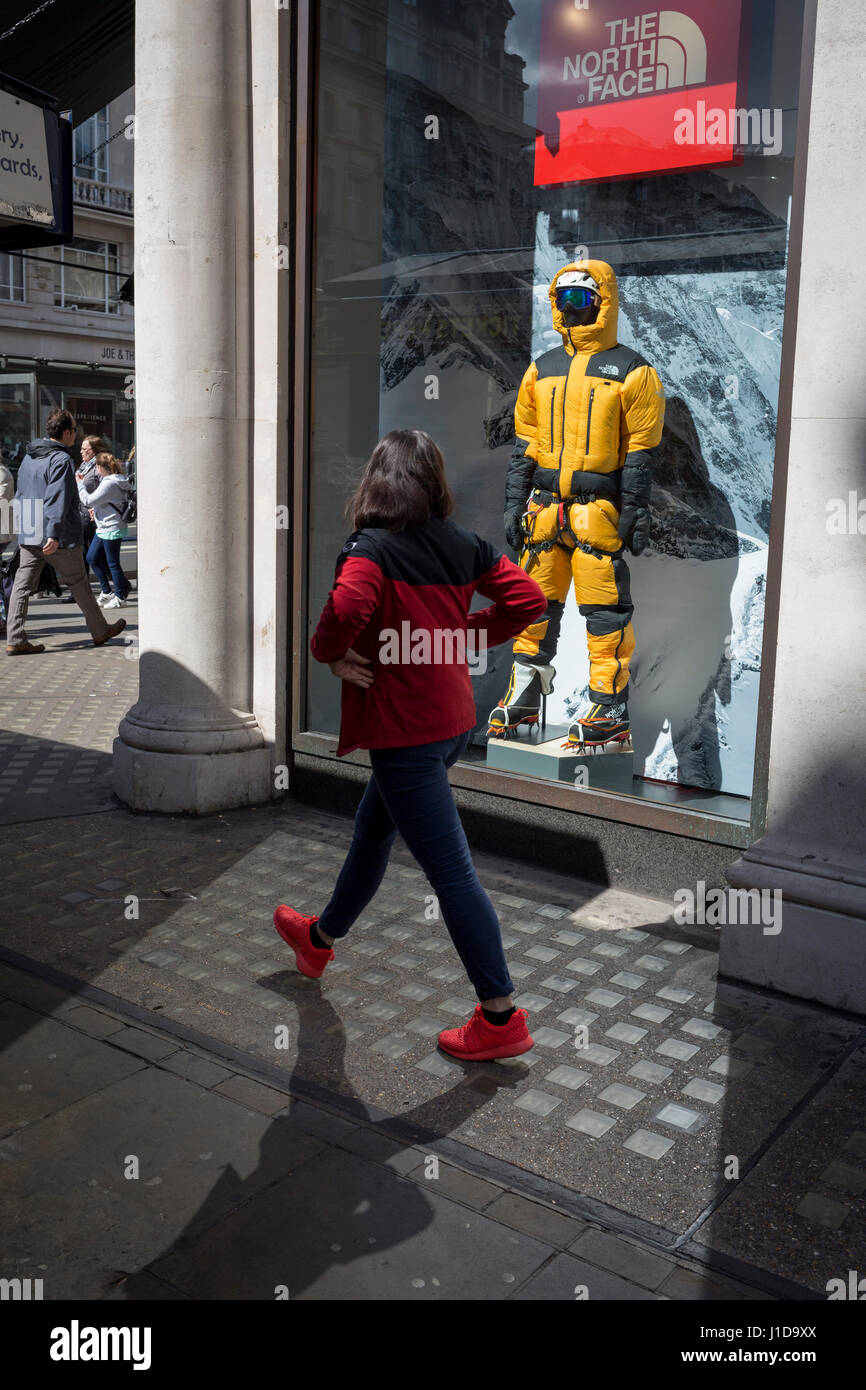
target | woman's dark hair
x=402, y=485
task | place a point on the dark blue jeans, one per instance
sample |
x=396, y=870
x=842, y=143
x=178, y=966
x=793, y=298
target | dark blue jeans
x=409, y=791
x=103, y=556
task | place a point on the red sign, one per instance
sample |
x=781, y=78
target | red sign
x=626, y=89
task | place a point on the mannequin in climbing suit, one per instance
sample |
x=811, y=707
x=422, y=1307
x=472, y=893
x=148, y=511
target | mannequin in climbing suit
x=589, y=415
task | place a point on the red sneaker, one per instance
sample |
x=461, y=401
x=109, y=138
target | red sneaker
x=294, y=928
x=480, y=1041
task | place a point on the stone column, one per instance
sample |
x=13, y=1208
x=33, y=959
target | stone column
x=814, y=846
x=191, y=743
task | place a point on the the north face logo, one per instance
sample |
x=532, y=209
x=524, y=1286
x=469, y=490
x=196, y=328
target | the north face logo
x=640, y=60
x=610, y=369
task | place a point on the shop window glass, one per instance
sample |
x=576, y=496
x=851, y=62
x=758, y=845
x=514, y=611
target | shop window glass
x=16, y=427
x=661, y=143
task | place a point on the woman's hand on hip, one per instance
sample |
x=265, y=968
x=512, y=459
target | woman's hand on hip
x=353, y=668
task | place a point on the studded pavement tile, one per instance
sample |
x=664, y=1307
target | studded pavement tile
x=59, y=714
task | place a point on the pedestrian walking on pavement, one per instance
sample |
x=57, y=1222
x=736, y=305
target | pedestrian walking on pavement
x=91, y=445
x=109, y=502
x=407, y=568
x=51, y=527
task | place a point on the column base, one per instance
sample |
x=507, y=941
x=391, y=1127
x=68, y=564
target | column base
x=200, y=783
x=819, y=951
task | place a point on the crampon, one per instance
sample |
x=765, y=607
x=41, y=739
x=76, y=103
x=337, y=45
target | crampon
x=604, y=729
x=511, y=720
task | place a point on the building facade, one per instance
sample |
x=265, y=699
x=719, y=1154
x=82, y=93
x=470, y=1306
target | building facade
x=405, y=178
x=66, y=331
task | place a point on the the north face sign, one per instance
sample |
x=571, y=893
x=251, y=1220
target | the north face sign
x=655, y=52
x=615, y=76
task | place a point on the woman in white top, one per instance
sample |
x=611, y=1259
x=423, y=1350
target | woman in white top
x=108, y=501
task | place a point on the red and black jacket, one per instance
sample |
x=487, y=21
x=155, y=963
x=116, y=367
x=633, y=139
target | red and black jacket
x=425, y=576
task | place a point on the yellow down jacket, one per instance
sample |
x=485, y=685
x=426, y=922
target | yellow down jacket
x=588, y=414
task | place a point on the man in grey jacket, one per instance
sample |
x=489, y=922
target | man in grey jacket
x=51, y=529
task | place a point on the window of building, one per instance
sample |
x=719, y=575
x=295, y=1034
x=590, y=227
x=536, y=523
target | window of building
x=360, y=37
x=83, y=278
x=435, y=262
x=355, y=191
x=90, y=151
x=11, y=277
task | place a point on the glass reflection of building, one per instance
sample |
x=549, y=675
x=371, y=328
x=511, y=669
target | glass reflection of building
x=387, y=232
x=434, y=249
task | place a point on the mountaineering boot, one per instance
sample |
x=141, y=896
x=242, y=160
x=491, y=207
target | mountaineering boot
x=601, y=726
x=521, y=702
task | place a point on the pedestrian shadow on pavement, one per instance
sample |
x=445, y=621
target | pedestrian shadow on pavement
x=291, y=1225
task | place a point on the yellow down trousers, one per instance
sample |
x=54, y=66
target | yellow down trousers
x=577, y=542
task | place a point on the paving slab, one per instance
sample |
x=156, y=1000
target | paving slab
x=91, y=1021
x=197, y=1069
x=47, y=1066
x=565, y=1276
x=801, y=1212
x=623, y=1257
x=376, y=1236
x=68, y=1206
x=535, y=1219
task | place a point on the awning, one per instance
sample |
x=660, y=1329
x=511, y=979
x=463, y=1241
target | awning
x=82, y=55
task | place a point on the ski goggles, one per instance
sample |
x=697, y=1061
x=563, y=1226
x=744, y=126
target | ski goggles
x=575, y=297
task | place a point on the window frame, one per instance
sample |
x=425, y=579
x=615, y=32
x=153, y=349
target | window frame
x=13, y=298
x=110, y=272
x=620, y=807
x=97, y=172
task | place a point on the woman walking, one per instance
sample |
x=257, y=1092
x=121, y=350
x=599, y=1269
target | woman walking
x=91, y=445
x=407, y=570
x=108, y=501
